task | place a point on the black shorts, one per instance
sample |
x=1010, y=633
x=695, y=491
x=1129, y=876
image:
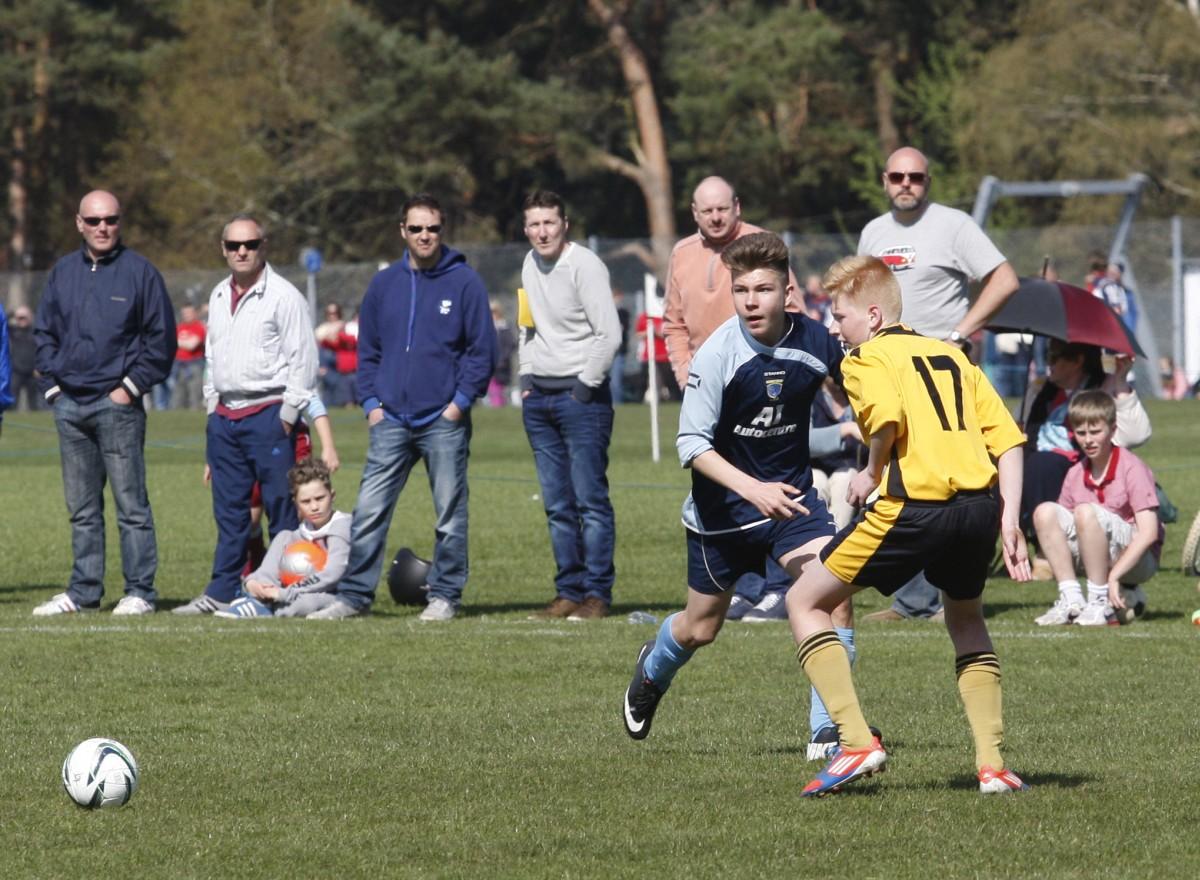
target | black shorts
x=953, y=542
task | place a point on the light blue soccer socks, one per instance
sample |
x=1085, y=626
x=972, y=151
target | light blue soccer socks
x=667, y=657
x=818, y=715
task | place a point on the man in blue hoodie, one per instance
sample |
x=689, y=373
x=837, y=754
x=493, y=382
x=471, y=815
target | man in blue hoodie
x=105, y=332
x=426, y=350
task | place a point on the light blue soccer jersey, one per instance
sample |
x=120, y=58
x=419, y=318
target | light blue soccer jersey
x=751, y=403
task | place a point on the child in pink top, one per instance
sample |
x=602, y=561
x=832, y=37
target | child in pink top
x=1104, y=523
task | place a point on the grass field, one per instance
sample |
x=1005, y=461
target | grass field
x=381, y=747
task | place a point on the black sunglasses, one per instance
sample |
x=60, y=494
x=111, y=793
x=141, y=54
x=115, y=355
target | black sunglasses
x=111, y=220
x=252, y=244
x=434, y=229
x=917, y=177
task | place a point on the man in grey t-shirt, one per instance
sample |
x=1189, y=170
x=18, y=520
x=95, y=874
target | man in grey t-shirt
x=935, y=253
x=569, y=333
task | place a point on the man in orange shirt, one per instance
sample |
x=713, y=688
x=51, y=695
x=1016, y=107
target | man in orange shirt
x=699, y=289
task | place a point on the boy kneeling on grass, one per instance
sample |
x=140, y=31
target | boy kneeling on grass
x=263, y=594
x=1105, y=522
x=939, y=439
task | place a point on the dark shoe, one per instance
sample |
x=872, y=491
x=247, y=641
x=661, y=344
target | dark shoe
x=556, y=610
x=641, y=699
x=593, y=608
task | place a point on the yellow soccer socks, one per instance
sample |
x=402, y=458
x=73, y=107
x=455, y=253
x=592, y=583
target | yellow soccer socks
x=979, y=684
x=827, y=665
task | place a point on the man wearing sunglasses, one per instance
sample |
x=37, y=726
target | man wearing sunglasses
x=260, y=372
x=426, y=352
x=105, y=333
x=935, y=252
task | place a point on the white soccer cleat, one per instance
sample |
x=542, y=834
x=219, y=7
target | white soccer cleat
x=999, y=781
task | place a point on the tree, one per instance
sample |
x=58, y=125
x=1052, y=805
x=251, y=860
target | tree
x=68, y=73
x=1090, y=92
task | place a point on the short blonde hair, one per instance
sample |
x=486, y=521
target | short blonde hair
x=1088, y=407
x=866, y=281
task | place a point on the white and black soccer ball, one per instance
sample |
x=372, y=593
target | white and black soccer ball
x=100, y=773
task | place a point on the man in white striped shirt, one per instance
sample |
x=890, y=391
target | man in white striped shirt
x=261, y=371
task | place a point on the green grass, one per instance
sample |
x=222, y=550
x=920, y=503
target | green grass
x=385, y=748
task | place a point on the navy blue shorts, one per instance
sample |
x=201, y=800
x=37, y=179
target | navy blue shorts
x=715, y=562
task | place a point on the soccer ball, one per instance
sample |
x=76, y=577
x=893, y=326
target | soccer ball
x=406, y=578
x=1135, y=604
x=301, y=559
x=100, y=773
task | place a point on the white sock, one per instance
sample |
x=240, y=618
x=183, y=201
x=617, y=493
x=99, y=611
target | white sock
x=1071, y=593
x=1097, y=593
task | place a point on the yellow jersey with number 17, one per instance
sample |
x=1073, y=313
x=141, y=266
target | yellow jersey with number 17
x=950, y=423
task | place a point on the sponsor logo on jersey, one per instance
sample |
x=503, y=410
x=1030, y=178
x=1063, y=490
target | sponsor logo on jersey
x=899, y=257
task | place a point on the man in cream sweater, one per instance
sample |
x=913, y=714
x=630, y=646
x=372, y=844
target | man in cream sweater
x=569, y=335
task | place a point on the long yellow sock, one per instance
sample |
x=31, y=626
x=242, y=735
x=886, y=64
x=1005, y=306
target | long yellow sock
x=979, y=684
x=827, y=665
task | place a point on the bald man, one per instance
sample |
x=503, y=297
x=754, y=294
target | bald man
x=105, y=334
x=935, y=253
x=699, y=290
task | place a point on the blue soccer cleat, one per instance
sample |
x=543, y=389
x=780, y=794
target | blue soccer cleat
x=845, y=766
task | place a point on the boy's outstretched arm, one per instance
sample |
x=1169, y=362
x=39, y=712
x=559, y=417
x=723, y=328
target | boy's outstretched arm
x=1011, y=466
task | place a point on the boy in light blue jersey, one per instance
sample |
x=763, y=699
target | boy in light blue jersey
x=743, y=430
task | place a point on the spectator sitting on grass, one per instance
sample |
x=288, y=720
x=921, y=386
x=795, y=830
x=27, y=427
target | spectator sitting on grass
x=263, y=592
x=1105, y=521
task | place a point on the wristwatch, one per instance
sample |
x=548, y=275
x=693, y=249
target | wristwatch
x=955, y=337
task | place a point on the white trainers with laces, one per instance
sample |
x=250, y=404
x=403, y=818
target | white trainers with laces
x=59, y=603
x=1061, y=613
x=438, y=609
x=771, y=607
x=1097, y=614
x=131, y=605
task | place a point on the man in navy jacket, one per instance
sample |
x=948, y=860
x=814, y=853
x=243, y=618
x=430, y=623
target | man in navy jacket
x=105, y=335
x=426, y=350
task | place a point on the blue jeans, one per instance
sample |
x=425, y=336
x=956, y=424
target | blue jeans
x=570, y=450
x=105, y=441
x=392, y=451
x=616, y=377
x=917, y=598
x=241, y=452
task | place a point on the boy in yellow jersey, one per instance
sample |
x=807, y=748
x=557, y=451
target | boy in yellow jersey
x=939, y=440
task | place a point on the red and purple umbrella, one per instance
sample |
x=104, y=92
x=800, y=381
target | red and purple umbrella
x=1051, y=308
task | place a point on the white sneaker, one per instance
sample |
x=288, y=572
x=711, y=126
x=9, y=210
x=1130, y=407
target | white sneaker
x=60, y=603
x=1061, y=613
x=339, y=609
x=1097, y=614
x=771, y=607
x=130, y=605
x=438, y=609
